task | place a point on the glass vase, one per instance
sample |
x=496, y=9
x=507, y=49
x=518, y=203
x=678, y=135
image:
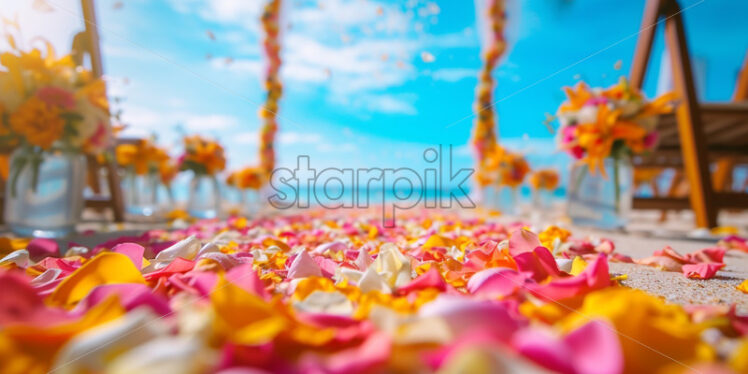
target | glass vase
x=44, y=193
x=141, y=194
x=205, y=197
x=602, y=201
x=504, y=199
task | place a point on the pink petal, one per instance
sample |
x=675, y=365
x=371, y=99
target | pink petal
x=134, y=251
x=544, y=348
x=178, y=265
x=429, y=279
x=706, y=255
x=367, y=357
x=303, y=266
x=497, y=282
x=522, y=241
x=595, y=348
x=702, y=270
x=595, y=276
x=539, y=262
x=363, y=260
x=131, y=296
x=590, y=349
x=246, y=278
x=41, y=248
x=464, y=315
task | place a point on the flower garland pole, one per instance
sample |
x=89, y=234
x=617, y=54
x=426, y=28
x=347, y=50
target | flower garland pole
x=485, y=140
x=268, y=112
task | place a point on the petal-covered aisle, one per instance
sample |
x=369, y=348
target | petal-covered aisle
x=341, y=292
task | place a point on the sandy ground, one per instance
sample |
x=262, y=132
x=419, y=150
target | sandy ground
x=646, y=235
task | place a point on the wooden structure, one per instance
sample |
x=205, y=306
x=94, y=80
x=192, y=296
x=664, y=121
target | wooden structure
x=696, y=134
x=113, y=200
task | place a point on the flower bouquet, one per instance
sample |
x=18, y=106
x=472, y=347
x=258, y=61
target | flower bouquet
x=52, y=113
x=602, y=129
x=543, y=183
x=506, y=172
x=248, y=182
x=205, y=159
x=147, y=167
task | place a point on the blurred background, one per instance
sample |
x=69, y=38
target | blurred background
x=369, y=83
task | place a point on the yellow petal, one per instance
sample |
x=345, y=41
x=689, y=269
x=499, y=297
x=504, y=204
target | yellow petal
x=244, y=317
x=105, y=268
x=578, y=266
x=743, y=286
x=437, y=241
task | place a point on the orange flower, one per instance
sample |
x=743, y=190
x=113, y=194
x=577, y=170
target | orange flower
x=168, y=171
x=578, y=96
x=546, y=179
x=249, y=177
x=143, y=156
x=38, y=122
x=512, y=169
x=203, y=155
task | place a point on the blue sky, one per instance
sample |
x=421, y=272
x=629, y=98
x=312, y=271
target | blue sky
x=357, y=88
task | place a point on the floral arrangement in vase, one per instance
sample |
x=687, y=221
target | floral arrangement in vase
x=248, y=178
x=205, y=158
x=504, y=171
x=145, y=165
x=543, y=182
x=52, y=113
x=248, y=181
x=602, y=129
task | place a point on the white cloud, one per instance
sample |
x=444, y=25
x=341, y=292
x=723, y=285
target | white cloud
x=209, y=122
x=138, y=118
x=377, y=52
x=292, y=137
x=244, y=12
x=247, y=138
x=391, y=104
x=380, y=103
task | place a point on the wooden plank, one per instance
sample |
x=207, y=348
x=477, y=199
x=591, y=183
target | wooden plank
x=693, y=143
x=115, y=200
x=658, y=203
x=741, y=87
x=644, y=42
x=732, y=200
x=89, y=17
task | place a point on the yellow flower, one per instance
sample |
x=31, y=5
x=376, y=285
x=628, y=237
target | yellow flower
x=38, y=122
